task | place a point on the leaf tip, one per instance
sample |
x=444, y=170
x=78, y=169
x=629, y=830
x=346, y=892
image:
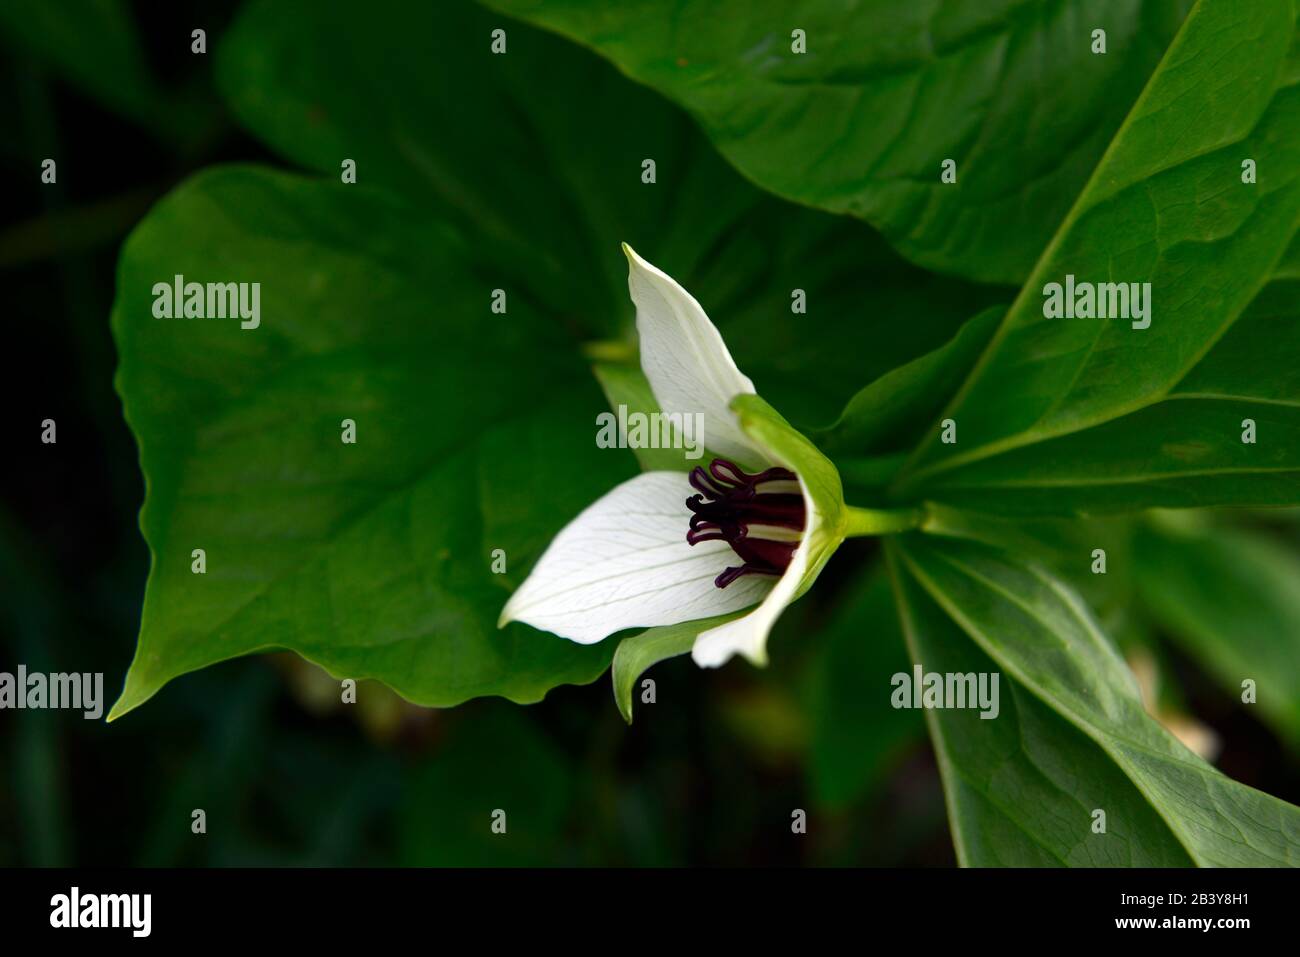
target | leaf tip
x=120, y=708
x=135, y=692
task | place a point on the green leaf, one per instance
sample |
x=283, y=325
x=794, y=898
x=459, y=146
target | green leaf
x=1089, y=415
x=1185, y=450
x=1068, y=548
x=1021, y=788
x=867, y=310
x=890, y=414
x=1230, y=598
x=886, y=91
x=372, y=559
x=543, y=167
x=518, y=166
x=637, y=653
x=856, y=736
x=1041, y=636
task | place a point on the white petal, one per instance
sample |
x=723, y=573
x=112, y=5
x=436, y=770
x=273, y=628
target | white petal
x=748, y=635
x=624, y=563
x=685, y=359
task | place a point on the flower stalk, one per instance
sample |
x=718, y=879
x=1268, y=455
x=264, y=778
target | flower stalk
x=867, y=522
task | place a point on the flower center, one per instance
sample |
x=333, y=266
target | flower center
x=760, y=516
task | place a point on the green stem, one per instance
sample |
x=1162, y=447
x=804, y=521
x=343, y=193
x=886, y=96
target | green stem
x=863, y=522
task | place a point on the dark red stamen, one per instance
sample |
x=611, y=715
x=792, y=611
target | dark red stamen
x=730, y=502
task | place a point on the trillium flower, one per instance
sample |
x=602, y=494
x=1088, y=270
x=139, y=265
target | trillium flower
x=751, y=530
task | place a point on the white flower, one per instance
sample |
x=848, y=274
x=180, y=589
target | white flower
x=761, y=520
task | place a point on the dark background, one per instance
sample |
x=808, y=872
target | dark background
x=285, y=774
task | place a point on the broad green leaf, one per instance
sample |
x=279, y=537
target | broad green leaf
x=1042, y=637
x=543, y=167
x=540, y=164
x=856, y=735
x=867, y=310
x=1069, y=548
x=1022, y=787
x=1230, y=598
x=885, y=92
x=1185, y=450
x=1076, y=414
x=371, y=559
x=892, y=412
x=637, y=653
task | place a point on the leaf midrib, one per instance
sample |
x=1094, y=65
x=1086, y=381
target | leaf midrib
x=1104, y=739
x=911, y=473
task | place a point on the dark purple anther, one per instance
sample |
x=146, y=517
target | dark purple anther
x=760, y=516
